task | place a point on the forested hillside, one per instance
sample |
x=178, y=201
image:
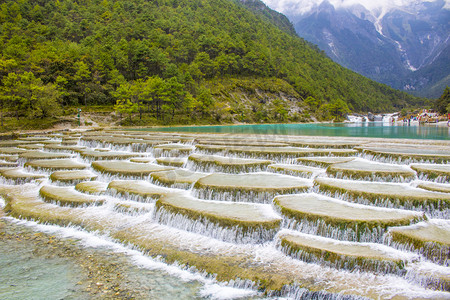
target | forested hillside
x=164, y=58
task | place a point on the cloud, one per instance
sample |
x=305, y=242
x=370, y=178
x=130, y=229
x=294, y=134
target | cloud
x=298, y=7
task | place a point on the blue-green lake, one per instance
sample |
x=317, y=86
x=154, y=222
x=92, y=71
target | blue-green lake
x=371, y=129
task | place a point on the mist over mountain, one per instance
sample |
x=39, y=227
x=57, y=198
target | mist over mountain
x=404, y=44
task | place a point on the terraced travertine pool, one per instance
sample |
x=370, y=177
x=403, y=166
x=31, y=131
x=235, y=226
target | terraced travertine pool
x=257, y=215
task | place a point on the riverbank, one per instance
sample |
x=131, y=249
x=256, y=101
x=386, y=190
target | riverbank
x=100, y=121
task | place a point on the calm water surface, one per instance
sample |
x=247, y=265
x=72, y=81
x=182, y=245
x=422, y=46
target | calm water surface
x=371, y=129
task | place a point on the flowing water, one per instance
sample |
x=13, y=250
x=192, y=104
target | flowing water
x=214, y=229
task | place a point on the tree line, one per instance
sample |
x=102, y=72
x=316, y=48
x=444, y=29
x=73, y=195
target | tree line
x=158, y=57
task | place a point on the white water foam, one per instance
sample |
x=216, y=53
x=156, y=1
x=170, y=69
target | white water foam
x=211, y=288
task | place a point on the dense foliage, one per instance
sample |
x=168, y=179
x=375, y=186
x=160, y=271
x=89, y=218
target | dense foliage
x=443, y=103
x=160, y=58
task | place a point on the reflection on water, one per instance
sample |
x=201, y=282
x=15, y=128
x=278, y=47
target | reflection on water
x=367, y=129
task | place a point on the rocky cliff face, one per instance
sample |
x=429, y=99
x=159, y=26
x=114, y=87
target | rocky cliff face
x=406, y=47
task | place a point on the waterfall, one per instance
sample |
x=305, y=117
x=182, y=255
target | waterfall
x=223, y=249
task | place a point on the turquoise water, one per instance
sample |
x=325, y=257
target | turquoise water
x=371, y=129
x=26, y=275
x=32, y=270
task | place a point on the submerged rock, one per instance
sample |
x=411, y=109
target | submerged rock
x=142, y=159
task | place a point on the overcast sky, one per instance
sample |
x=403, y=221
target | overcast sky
x=296, y=7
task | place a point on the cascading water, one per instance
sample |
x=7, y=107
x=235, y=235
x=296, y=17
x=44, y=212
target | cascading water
x=246, y=254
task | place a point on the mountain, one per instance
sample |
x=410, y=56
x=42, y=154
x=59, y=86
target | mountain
x=406, y=47
x=167, y=60
x=270, y=15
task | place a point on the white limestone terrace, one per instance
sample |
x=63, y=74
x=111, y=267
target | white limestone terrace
x=347, y=255
x=127, y=168
x=72, y=176
x=68, y=196
x=380, y=243
x=275, y=152
x=296, y=170
x=370, y=170
x=56, y=164
x=178, y=178
x=217, y=163
x=406, y=152
x=334, y=218
x=430, y=238
x=248, y=187
x=229, y=221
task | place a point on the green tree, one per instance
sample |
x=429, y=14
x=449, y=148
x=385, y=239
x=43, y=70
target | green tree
x=280, y=111
x=82, y=77
x=174, y=95
x=155, y=93
x=443, y=102
x=130, y=91
x=28, y=95
x=47, y=98
x=125, y=106
x=17, y=91
x=204, y=101
x=205, y=64
x=336, y=109
x=313, y=103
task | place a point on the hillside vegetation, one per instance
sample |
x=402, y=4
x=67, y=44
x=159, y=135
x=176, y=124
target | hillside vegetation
x=169, y=61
